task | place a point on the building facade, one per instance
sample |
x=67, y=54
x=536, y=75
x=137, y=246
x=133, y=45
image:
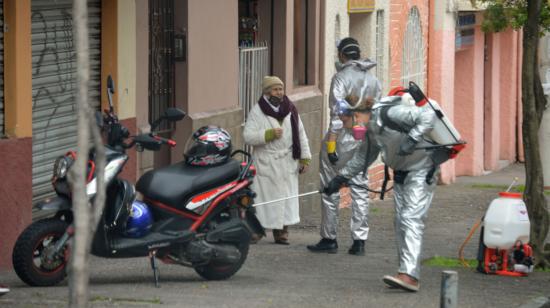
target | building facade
x=189, y=54
x=38, y=103
x=440, y=46
x=208, y=58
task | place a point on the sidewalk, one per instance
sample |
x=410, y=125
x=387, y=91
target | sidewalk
x=290, y=276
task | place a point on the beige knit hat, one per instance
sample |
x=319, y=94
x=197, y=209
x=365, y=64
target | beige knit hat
x=270, y=81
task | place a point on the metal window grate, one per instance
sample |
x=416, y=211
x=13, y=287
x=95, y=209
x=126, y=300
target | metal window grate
x=413, y=68
x=380, y=46
x=253, y=66
x=161, y=60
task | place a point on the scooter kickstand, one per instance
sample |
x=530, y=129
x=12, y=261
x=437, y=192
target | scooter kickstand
x=152, y=257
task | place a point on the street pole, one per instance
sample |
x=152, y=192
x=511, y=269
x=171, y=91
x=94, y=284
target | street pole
x=449, y=289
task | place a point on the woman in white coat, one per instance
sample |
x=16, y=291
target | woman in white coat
x=281, y=152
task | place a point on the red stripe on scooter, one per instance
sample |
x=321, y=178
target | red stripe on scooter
x=214, y=204
x=171, y=209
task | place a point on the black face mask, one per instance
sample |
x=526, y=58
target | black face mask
x=274, y=100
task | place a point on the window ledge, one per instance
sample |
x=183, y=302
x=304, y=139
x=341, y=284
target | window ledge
x=304, y=92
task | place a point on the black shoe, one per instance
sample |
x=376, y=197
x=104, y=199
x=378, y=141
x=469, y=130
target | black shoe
x=358, y=248
x=324, y=245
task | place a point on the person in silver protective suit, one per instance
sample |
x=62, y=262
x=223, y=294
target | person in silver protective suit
x=398, y=129
x=351, y=87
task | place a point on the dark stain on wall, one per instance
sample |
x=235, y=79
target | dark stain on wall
x=15, y=193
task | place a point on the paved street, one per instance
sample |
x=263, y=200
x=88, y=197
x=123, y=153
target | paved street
x=290, y=276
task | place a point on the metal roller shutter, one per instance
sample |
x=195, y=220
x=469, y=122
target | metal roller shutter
x=1, y=69
x=54, y=115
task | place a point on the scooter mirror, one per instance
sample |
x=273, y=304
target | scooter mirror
x=173, y=114
x=110, y=84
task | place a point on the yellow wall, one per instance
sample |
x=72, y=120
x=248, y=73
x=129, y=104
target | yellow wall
x=17, y=69
x=109, y=58
x=126, y=59
x=118, y=60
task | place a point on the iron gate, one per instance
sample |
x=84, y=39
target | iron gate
x=54, y=114
x=253, y=66
x=161, y=59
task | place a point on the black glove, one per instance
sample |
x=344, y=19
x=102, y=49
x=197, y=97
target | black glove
x=333, y=158
x=334, y=185
x=407, y=146
x=440, y=155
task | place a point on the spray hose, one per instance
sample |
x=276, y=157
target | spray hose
x=461, y=250
x=371, y=190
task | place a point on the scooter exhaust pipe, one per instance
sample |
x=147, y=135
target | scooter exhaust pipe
x=204, y=252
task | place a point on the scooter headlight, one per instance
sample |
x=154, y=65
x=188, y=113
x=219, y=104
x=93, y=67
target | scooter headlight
x=60, y=167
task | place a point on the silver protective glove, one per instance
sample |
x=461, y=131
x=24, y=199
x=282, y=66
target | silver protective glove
x=407, y=147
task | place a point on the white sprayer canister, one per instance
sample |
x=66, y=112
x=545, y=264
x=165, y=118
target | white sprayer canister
x=506, y=222
x=444, y=132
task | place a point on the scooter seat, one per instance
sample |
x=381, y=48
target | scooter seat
x=175, y=184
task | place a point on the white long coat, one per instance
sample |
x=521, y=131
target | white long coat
x=276, y=170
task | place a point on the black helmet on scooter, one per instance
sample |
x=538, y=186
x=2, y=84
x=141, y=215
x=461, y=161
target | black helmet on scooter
x=208, y=146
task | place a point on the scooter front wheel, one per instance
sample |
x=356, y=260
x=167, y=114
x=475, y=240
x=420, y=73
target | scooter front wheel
x=29, y=254
x=221, y=271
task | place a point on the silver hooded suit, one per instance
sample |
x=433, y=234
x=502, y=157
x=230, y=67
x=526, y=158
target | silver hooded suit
x=414, y=175
x=354, y=79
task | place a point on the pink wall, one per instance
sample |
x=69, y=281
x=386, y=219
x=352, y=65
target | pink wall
x=492, y=102
x=508, y=95
x=212, y=73
x=468, y=98
x=441, y=67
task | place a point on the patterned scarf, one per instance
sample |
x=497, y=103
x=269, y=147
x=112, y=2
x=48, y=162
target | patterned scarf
x=285, y=107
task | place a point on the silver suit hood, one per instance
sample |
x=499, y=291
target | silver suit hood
x=354, y=79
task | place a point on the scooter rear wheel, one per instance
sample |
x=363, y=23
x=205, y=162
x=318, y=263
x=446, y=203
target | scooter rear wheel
x=29, y=251
x=222, y=271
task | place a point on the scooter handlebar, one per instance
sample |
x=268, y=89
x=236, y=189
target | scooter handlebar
x=169, y=142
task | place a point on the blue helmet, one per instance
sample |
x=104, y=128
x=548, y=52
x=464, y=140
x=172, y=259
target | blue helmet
x=140, y=220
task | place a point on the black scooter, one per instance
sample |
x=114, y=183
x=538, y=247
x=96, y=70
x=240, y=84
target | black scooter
x=211, y=235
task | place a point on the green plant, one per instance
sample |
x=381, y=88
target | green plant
x=439, y=261
x=519, y=188
x=501, y=14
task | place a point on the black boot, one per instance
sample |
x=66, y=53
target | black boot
x=358, y=248
x=324, y=245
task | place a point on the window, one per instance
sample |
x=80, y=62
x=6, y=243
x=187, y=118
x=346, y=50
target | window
x=412, y=67
x=303, y=35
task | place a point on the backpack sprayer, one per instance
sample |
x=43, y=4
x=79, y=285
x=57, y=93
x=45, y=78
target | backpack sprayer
x=504, y=237
x=444, y=134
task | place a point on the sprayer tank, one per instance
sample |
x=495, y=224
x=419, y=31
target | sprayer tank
x=506, y=222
